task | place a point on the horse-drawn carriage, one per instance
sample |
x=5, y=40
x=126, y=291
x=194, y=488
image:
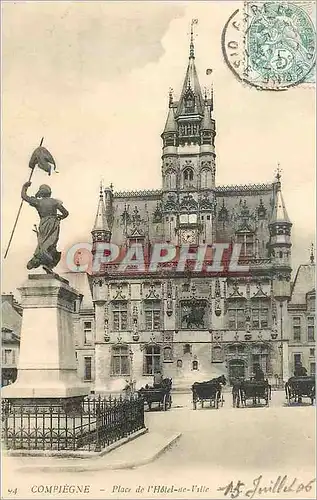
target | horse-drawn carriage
x=210, y=390
x=159, y=395
x=297, y=388
x=243, y=390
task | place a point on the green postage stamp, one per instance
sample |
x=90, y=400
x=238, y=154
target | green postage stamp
x=279, y=43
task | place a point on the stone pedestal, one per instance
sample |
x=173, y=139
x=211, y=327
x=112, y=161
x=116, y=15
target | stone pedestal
x=47, y=363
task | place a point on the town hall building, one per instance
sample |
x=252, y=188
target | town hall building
x=189, y=325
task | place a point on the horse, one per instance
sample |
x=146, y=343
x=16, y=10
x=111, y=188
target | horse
x=195, y=318
x=218, y=382
x=298, y=387
x=208, y=390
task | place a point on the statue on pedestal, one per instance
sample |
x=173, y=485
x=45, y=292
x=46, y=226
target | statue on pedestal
x=51, y=212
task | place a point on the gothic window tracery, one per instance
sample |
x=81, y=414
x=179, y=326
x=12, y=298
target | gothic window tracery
x=189, y=100
x=170, y=179
x=205, y=178
x=188, y=177
x=223, y=215
x=261, y=210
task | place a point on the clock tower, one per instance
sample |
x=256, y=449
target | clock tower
x=188, y=162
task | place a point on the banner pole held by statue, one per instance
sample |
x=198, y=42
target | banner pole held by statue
x=44, y=160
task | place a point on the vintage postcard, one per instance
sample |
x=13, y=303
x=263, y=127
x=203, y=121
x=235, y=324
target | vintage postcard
x=158, y=249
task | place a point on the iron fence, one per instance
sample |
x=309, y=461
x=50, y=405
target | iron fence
x=98, y=423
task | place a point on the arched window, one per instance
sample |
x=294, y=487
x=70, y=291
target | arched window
x=205, y=178
x=152, y=359
x=188, y=177
x=195, y=365
x=170, y=179
x=167, y=354
x=217, y=354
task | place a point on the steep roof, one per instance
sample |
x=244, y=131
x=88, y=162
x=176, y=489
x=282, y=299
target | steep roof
x=11, y=320
x=191, y=84
x=170, y=125
x=279, y=210
x=101, y=223
x=304, y=282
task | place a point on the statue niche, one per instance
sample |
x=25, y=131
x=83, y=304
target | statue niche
x=193, y=314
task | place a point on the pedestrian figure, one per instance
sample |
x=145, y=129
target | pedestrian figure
x=158, y=379
x=258, y=373
x=300, y=370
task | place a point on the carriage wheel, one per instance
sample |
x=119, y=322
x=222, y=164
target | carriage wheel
x=170, y=402
x=288, y=394
x=241, y=399
x=267, y=399
x=165, y=403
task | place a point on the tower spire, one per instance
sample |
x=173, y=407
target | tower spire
x=191, y=100
x=312, y=256
x=101, y=224
x=191, y=46
x=279, y=210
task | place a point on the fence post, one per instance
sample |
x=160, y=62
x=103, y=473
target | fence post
x=98, y=426
x=5, y=418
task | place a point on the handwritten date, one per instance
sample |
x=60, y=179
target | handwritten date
x=283, y=484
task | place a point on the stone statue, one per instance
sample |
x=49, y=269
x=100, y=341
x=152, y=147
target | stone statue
x=45, y=254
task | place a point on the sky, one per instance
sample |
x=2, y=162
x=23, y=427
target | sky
x=93, y=79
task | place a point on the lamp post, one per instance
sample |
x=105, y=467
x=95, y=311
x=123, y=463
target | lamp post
x=131, y=370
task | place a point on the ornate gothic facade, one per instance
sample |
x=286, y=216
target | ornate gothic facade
x=190, y=325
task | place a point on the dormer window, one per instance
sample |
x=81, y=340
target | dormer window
x=189, y=102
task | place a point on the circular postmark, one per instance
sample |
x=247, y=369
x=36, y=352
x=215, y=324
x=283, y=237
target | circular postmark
x=270, y=45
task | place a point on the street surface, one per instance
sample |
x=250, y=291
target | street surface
x=216, y=447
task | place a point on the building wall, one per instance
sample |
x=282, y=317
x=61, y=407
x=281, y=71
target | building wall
x=302, y=339
x=144, y=316
x=9, y=357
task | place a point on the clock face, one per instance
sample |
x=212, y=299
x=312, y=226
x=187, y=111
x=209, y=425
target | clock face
x=188, y=236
